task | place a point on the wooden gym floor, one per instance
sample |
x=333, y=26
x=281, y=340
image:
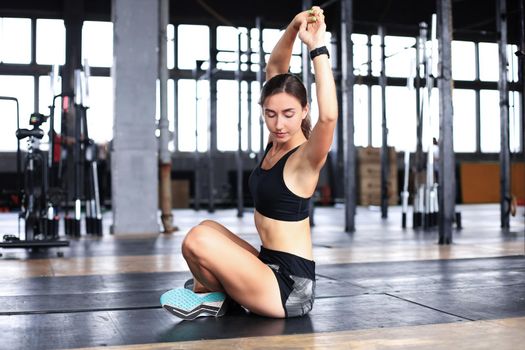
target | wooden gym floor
x=379, y=288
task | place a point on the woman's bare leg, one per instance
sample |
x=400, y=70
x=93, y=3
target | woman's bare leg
x=238, y=240
x=198, y=286
x=221, y=264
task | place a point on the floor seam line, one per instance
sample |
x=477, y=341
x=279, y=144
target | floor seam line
x=46, y=312
x=428, y=307
x=339, y=280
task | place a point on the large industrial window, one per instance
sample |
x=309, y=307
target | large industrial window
x=22, y=88
x=15, y=47
x=401, y=118
x=257, y=127
x=193, y=115
x=488, y=61
x=360, y=46
x=170, y=33
x=512, y=63
x=188, y=51
x=376, y=116
x=227, y=45
x=15, y=40
x=515, y=127
x=50, y=41
x=463, y=60
x=361, y=115
x=193, y=99
x=400, y=56
x=97, y=43
x=227, y=115
x=464, y=106
x=375, y=59
x=270, y=38
x=490, y=121
x=100, y=112
x=254, y=46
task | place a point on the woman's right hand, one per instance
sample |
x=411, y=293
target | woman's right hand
x=304, y=16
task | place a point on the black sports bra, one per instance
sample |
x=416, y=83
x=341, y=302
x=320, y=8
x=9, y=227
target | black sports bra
x=271, y=196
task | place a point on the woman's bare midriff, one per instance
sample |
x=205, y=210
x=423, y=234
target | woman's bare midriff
x=287, y=236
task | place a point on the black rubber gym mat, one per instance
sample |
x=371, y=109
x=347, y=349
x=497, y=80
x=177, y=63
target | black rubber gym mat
x=68, y=330
x=97, y=293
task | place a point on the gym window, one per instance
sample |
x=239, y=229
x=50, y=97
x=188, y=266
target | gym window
x=463, y=60
x=15, y=40
x=188, y=52
x=21, y=87
x=50, y=41
x=97, y=43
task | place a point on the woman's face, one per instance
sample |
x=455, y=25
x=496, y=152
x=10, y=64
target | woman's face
x=283, y=115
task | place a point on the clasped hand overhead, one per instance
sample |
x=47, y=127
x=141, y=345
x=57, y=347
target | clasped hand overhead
x=311, y=27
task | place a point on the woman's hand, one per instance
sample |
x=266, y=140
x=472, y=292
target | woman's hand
x=311, y=27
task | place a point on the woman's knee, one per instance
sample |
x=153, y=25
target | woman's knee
x=196, y=242
x=209, y=223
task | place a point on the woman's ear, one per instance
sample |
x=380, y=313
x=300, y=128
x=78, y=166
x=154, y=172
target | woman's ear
x=306, y=109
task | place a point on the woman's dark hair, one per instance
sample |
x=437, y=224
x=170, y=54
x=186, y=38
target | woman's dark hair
x=292, y=85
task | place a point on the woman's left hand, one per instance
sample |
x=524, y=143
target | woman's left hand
x=313, y=28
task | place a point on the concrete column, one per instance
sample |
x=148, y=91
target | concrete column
x=134, y=170
x=447, y=174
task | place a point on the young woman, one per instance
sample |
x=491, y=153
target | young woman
x=279, y=280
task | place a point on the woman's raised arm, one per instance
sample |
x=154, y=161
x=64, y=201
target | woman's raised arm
x=279, y=61
x=312, y=34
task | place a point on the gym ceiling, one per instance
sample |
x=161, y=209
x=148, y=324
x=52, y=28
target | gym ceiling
x=473, y=19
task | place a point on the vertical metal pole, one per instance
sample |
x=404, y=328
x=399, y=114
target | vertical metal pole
x=347, y=67
x=521, y=73
x=431, y=208
x=238, y=158
x=260, y=78
x=33, y=61
x=73, y=17
x=504, y=156
x=197, y=167
x=164, y=152
x=384, y=130
x=370, y=126
x=478, y=102
x=419, y=163
x=307, y=81
x=338, y=152
x=249, y=116
x=212, y=113
x=447, y=176
x=420, y=56
x=305, y=59
x=175, y=93
x=77, y=153
x=175, y=115
x=249, y=94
